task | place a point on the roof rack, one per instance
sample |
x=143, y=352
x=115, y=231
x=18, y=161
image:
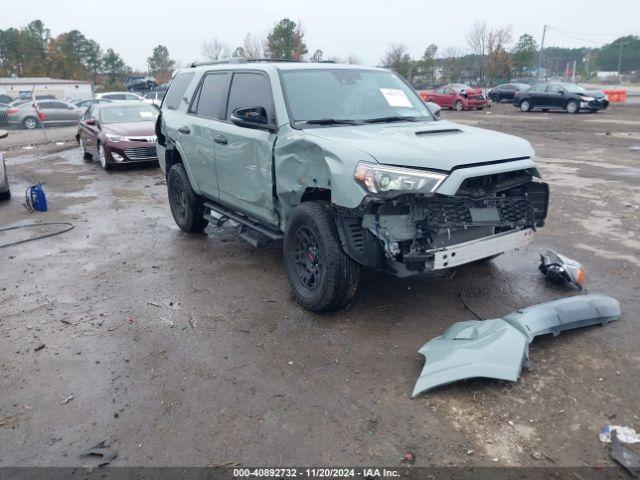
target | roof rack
x=242, y=60
x=220, y=61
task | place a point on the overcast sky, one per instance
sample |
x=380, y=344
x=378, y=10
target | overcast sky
x=363, y=28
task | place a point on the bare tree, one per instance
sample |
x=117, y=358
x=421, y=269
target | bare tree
x=498, y=61
x=477, y=41
x=254, y=47
x=215, y=50
x=452, y=64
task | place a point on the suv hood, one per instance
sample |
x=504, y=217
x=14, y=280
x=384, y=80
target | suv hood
x=438, y=145
x=130, y=128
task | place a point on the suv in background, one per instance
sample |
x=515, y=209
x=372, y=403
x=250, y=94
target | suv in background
x=345, y=165
x=560, y=96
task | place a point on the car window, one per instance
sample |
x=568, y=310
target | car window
x=176, y=90
x=250, y=90
x=129, y=96
x=129, y=113
x=509, y=88
x=46, y=104
x=554, y=88
x=212, y=96
x=115, y=96
x=538, y=88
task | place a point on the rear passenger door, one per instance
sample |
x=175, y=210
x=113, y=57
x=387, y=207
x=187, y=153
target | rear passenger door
x=244, y=156
x=555, y=95
x=206, y=114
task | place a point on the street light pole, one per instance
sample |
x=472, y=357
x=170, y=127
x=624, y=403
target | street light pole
x=544, y=33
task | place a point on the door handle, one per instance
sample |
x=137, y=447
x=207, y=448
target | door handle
x=184, y=129
x=221, y=139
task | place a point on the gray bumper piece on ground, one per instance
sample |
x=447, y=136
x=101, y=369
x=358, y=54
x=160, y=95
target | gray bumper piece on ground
x=498, y=348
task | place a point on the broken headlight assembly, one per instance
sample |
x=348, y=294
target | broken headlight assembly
x=382, y=179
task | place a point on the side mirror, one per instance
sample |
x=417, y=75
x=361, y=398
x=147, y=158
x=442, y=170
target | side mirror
x=434, y=108
x=561, y=92
x=3, y=134
x=90, y=122
x=252, y=117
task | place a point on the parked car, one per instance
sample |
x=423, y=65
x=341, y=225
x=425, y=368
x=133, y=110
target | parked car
x=5, y=192
x=456, y=95
x=4, y=120
x=560, y=96
x=118, y=133
x=507, y=91
x=118, y=96
x=348, y=167
x=84, y=104
x=154, y=98
x=49, y=113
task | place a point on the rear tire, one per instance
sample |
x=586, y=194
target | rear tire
x=6, y=195
x=322, y=276
x=86, y=155
x=30, y=123
x=525, y=106
x=187, y=207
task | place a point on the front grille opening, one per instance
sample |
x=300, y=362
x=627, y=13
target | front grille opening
x=487, y=185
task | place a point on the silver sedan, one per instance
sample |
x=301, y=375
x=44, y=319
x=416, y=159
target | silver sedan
x=52, y=112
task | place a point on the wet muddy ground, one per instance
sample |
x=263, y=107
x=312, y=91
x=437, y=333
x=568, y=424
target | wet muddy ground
x=188, y=350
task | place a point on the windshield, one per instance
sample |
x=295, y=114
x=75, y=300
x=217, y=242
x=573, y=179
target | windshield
x=353, y=95
x=134, y=113
x=573, y=88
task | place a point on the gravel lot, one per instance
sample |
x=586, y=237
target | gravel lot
x=188, y=350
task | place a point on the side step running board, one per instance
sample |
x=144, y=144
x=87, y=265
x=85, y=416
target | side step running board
x=253, y=232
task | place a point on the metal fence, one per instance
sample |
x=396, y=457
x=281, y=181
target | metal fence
x=34, y=119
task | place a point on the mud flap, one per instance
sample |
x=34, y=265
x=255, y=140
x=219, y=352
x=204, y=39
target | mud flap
x=498, y=348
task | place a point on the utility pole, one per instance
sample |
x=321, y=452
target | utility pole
x=620, y=64
x=544, y=33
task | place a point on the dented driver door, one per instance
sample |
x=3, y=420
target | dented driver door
x=244, y=156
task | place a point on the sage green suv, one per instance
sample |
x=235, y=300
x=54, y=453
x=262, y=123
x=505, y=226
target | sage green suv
x=345, y=165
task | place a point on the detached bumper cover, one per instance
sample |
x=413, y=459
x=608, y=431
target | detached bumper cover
x=498, y=348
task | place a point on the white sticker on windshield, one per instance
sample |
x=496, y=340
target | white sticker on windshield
x=146, y=114
x=396, y=97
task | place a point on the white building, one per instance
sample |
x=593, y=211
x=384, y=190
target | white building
x=40, y=86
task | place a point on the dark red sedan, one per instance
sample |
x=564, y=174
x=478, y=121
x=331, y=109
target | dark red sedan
x=456, y=95
x=118, y=133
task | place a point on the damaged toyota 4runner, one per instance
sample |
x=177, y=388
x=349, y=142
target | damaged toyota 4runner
x=345, y=165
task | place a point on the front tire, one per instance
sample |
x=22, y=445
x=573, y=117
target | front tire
x=322, y=276
x=102, y=156
x=187, y=207
x=525, y=106
x=573, y=107
x=459, y=106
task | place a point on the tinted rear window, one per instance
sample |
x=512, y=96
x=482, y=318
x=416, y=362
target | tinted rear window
x=212, y=95
x=177, y=89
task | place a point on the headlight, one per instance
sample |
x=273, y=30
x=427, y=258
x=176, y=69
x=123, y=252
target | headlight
x=116, y=138
x=587, y=99
x=383, y=178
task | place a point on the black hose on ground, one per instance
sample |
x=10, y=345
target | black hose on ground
x=69, y=226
